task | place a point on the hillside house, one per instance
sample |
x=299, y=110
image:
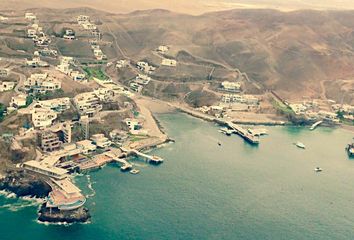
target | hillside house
x=18, y=101
x=30, y=16
x=169, y=62
x=231, y=86
x=4, y=72
x=163, y=49
x=6, y=86
x=42, y=117
x=87, y=103
x=57, y=104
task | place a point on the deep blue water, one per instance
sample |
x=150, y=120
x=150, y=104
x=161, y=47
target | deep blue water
x=204, y=191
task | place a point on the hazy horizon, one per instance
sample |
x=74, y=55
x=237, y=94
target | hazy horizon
x=185, y=6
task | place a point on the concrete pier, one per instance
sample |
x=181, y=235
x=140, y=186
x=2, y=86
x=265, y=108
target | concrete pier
x=241, y=132
x=146, y=157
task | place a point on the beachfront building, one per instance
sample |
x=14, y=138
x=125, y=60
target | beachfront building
x=118, y=136
x=87, y=103
x=329, y=116
x=100, y=140
x=45, y=169
x=86, y=146
x=231, y=86
x=6, y=86
x=42, y=117
x=65, y=196
x=135, y=126
x=298, y=108
x=169, y=62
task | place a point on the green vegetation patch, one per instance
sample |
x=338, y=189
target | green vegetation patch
x=95, y=73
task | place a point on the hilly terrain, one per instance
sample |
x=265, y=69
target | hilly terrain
x=303, y=53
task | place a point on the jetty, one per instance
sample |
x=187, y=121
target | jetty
x=258, y=131
x=148, y=158
x=315, y=125
x=242, y=132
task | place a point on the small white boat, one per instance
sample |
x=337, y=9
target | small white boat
x=300, y=145
x=134, y=171
x=318, y=169
x=226, y=131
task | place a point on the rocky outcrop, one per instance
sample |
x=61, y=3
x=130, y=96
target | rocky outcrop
x=23, y=184
x=80, y=215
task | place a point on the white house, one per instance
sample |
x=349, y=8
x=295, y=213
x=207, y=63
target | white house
x=30, y=16
x=18, y=101
x=57, y=104
x=101, y=141
x=163, y=49
x=231, y=86
x=87, y=103
x=122, y=63
x=31, y=33
x=169, y=62
x=42, y=117
x=77, y=76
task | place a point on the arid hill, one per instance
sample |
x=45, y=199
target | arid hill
x=297, y=53
x=300, y=53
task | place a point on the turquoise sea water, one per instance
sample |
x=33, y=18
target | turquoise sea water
x=206, y=191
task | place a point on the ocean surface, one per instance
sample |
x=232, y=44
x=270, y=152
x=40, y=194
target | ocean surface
x=206, y=191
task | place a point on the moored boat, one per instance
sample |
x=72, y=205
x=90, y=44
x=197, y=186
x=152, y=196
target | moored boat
x=134, y=171
x=300, y=145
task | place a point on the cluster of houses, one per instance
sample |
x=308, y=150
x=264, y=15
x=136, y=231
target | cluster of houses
x=65, y=66
x=97, y=51
x=41, y=83
x=36, y=32
x=86, y=24
x=313, y=110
